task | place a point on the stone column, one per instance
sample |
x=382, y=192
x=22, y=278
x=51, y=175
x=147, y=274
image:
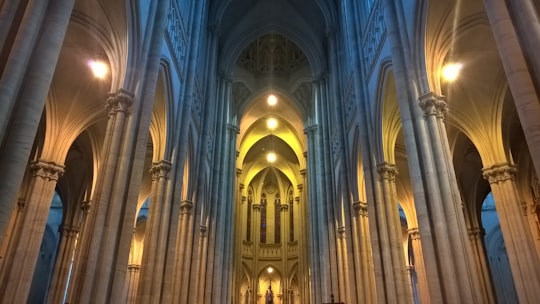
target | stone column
x=518, y=240
x=389, y=230
x=419, y=267
x=464, y=277
x=118, y=105
x=62, y=267
x=518, y=75
x=185, y=234
x=361, y=242
x=80, y=252
x=18, y=280
x=153, y=260
x=133, y=282
x=476, y=236
x=30, y=103
x=21, y=51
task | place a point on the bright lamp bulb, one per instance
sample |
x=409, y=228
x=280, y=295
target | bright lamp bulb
x=450, y=72
x=272, y=100
x=271, y=157
x=270, y=269
x=271, y=123
x=99, y=68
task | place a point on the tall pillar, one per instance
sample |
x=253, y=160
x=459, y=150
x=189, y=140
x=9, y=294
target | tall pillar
x=389, y=230
x=517, y=237
x=21, y=51
x=18, y=140
x=362, y=254
x=518, y=74
x=185, y=234
x=62, y=264
x=134, y=271
x=20, y=271
x=476, y=236
x=153, y=261
x=118, y=105
x=419, y=267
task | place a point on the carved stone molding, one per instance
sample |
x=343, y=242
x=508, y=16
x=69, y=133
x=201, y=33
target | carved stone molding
x=160, y=170
x=69, y=231
x=203, y=230
x=499, y=173
x=256, y=207
x=387, y=171
x=272, y=53
x=47, y=170
x=433, y=104
x=283, y=207
x=475, y=233
x=360, y=208
x=185, y=207
x=341, y=232
x=134, y=267
x=119, y=101
x=414, y=233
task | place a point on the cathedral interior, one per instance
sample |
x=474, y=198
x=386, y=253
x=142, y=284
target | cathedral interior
x=269, y=151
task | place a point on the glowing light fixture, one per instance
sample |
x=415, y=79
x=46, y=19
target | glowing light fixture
x=271, y=123
x=99, y=68
x=270, y=269
x=271, y=157
x=272, y=100
x=450, y=72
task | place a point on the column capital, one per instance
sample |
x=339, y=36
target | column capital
x=360, y=208
x=499, y=173
x=119, y=101
x=387, y=171
x=341, y=232
x=414, y=233
x=160, y=169
x=234, y=129
x=69, y=230
x=185, y=207
x=203, y=230
x=433, y=104
x=475, y=233
x=47, y=170
x=311, y=129
x=256, y=207
x=283, y=207
x=85, y=206
x=134, y=267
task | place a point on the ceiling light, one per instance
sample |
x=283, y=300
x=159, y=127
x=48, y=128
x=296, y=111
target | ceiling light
x=271, y=123
x=99, y=68
x=272, y=100
x=270, y=269
x=271, y=157
x=450, y=72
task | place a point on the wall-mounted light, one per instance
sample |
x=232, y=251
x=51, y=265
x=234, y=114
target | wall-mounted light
x=450, y=71
x=98, y=68
x=272, y=100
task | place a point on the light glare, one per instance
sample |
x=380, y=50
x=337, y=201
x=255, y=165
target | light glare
x=271, y=123
x=99, y=68
x=270, y=269
x=271, y=157
x=450, y=72
x=272, y=100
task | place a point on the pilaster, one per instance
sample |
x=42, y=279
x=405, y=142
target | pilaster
x=62, y=267
x=518, y=240
x=19, y=270
x=153, y=262
x=390, y=237
x=419, y=267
